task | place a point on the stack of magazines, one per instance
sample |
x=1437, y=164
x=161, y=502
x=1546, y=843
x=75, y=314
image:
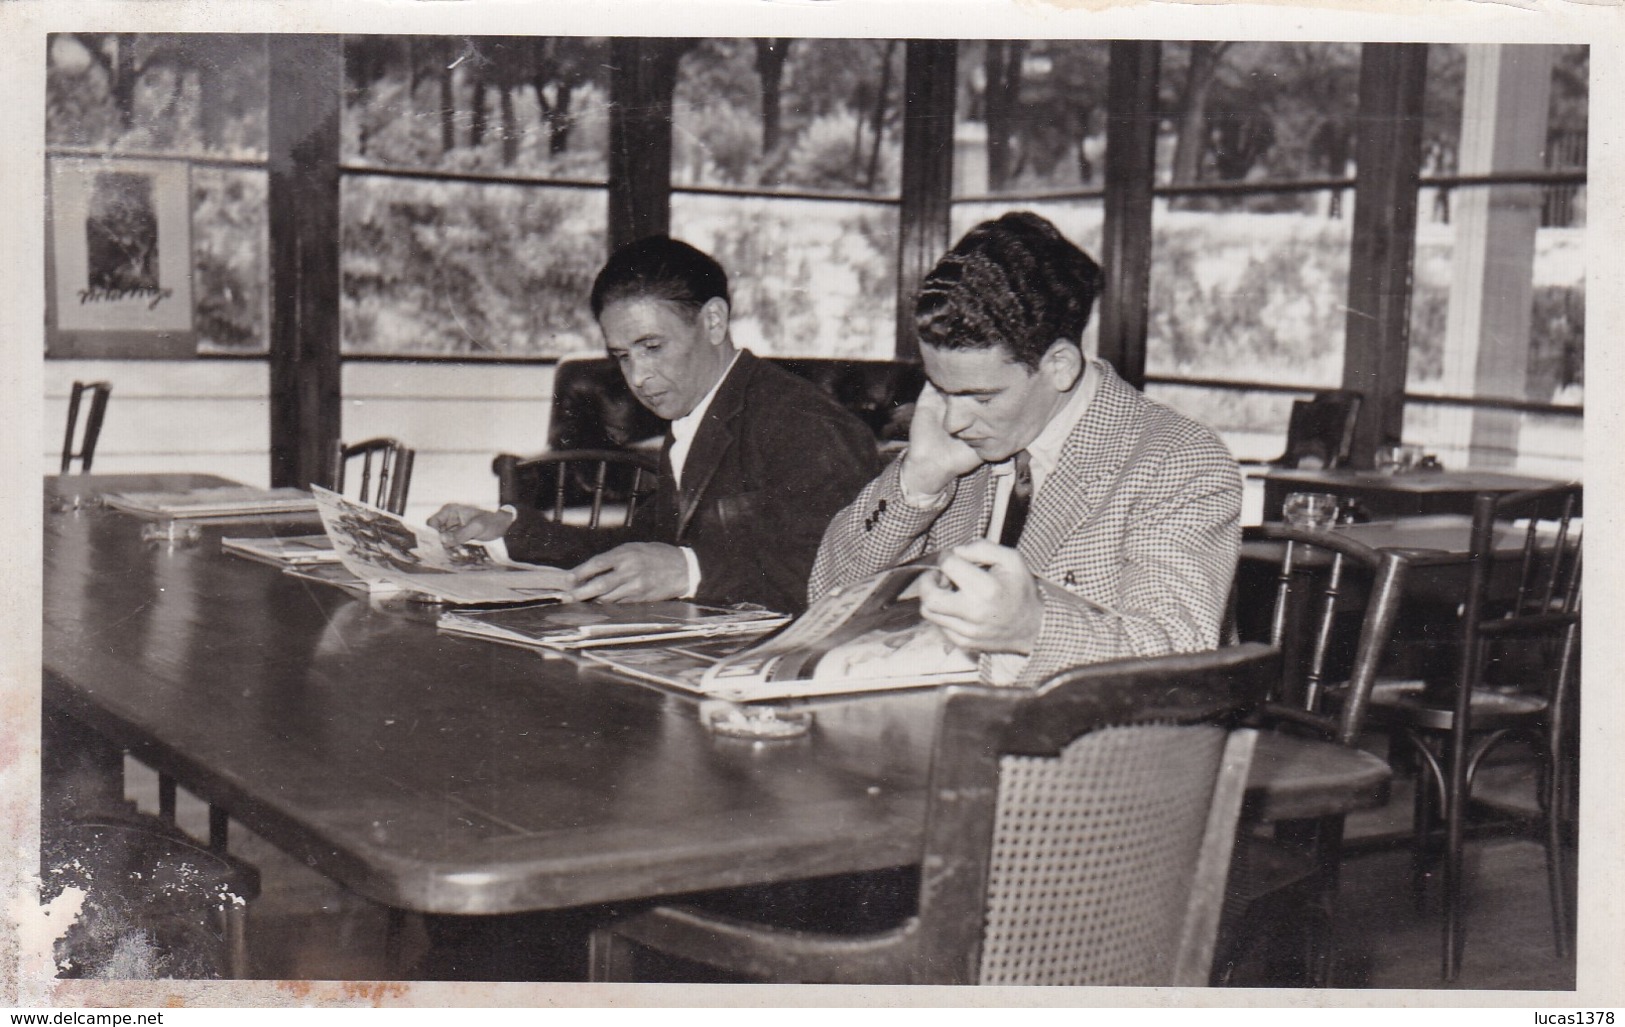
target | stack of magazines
x=223, y=502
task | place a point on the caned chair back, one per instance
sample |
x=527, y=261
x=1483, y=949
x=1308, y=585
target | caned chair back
x=386, y=471
x=581, y=485
x=86, y=451
x=1081, y=834
x=1078, y=833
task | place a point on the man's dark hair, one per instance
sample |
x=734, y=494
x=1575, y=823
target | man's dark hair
x=662, y=268
x=1016, y=283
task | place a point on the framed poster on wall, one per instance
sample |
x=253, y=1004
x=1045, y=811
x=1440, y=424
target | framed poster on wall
x=119, y=259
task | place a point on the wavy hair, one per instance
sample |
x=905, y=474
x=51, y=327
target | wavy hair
x=1016, y=282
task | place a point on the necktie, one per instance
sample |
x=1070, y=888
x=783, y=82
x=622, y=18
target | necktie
x=1021, y=498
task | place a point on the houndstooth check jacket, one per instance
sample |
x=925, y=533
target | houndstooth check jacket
x=1141, y=517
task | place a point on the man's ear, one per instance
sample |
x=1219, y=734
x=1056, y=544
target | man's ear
x=714, y=319
x=1062, y=363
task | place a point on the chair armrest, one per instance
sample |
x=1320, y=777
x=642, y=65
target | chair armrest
x=759, y=952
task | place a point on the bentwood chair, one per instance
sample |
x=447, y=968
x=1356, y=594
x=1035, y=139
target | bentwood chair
x=389, y=487
x=579, y=486
x=1320, y=430
x=1078, y=833
x=99, y=391
x=1520, y=647
x=1335, y=604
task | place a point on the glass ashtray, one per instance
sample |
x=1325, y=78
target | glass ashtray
x=172, y=533
x=754, y=722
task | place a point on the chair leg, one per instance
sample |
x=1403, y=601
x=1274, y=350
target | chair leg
x=166, y=797
x=1424, y=820
x=610, y=957
x=1323, y=938
x=394, y=938
x=234, y=918
x=219, y=828
x=1555, y=800
x=1455, y=801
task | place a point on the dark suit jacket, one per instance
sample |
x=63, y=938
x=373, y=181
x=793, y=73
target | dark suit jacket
x=772, y=462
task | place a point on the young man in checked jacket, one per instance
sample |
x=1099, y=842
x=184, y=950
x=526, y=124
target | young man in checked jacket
x=1130, y=537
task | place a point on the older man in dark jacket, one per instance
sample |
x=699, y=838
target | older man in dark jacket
x=755, y=463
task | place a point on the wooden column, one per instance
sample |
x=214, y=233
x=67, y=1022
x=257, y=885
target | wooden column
x=302, y=128
x=643, y=75
x=1486, y=349
x=1131, y=168
x=1388, y=154
x=929, y=86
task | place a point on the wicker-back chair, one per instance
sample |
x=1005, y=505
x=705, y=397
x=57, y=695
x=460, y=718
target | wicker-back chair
x=1078, y=833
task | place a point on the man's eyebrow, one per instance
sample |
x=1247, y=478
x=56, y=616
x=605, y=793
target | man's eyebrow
x=646, y=337
x=968, y=392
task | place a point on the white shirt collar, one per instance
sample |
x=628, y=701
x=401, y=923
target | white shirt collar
x=1045, y=450
x=684, y=428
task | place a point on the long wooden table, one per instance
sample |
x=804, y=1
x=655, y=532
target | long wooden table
x=441, y=774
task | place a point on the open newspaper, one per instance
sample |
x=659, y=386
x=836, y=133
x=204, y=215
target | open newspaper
x=588, y=625
x=380, y=548
x=866, y=636
x=228, y=501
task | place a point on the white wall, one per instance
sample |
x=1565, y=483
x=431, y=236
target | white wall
x=213, y=416
x=457, y=417
x=206, y=416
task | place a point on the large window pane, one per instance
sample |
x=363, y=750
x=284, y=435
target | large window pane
x=1252, y=424
x=467, y=270
x=198, y=102
x=494, y=104
x=1249, y=296
x=1550, y=445
x=229, y=260
x=150, y=92
x=820, y=115
x=1030, y=116
x=809, y=278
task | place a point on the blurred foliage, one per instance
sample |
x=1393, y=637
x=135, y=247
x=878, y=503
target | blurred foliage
x=452, y=268
x=229, y=259
x=468, y=270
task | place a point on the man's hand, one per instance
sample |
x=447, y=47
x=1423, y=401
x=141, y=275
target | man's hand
x=459, y=523
x=636, y=572
x=934, y=457
x=990, y=603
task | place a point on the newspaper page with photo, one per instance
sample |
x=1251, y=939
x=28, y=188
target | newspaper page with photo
x=382, y=549
x=864, y=637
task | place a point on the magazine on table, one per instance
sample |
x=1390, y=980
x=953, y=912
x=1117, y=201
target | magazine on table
x=380, y=548
x=588, y=625
x=222, y=502
x=294, y=551
x=339, y=576
x=862, y=637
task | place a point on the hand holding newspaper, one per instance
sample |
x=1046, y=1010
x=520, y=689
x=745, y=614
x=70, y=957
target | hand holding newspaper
x=388, y=553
